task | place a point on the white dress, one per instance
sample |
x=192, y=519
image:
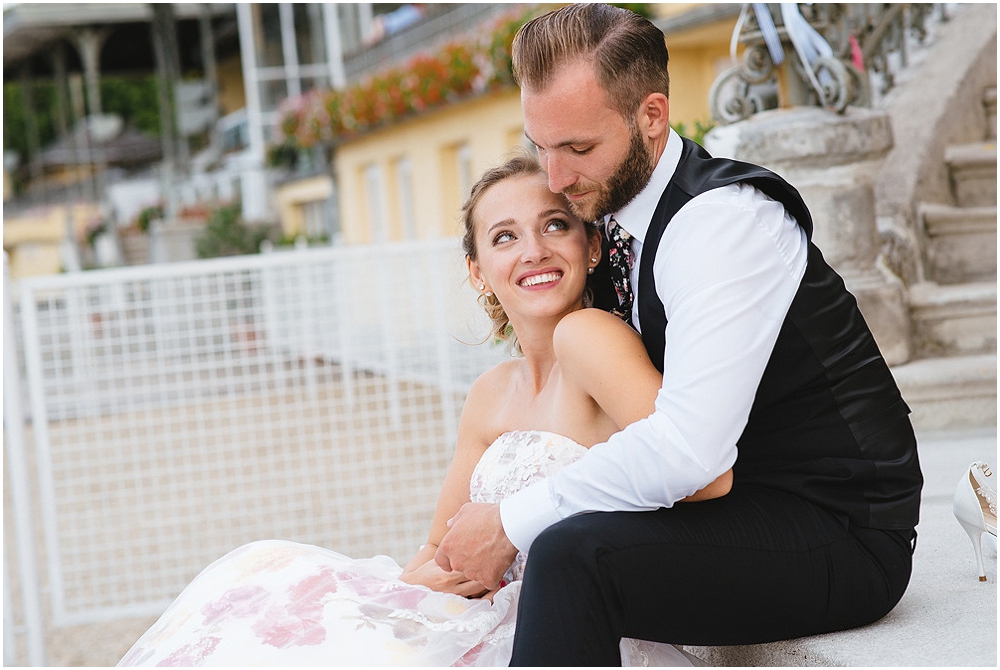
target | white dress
x=282, y=603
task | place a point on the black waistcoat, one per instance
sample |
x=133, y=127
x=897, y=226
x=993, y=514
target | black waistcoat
x=828, y=422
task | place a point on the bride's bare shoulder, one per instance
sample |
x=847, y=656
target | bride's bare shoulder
x=488, y=394
x=495, y=381
x=590, y=326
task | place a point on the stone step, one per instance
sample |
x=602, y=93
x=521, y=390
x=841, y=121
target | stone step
x=947, y=617
x=961, y=243
x=990, y=106
x=135, y=248
x=953, y=320
x=948, y=393
x=973, y=169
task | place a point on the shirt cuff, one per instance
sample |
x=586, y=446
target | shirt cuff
x=527, y=513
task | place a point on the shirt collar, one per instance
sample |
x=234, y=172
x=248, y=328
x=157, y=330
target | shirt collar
x=636, y=216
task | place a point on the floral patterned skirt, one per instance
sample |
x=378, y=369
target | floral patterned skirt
x=282, y=603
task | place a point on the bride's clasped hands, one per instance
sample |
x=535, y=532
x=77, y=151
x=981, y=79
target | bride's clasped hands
x=431, y=575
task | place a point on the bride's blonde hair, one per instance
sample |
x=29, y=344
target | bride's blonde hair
x=520, y=163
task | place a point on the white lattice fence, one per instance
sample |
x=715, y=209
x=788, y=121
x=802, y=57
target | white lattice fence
x=181, y=410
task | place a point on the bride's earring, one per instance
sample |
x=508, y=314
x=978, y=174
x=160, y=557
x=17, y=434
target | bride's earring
x=482, y=287
x=590, y=270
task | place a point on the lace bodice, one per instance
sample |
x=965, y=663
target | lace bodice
x=515, y=460
x=519, y=458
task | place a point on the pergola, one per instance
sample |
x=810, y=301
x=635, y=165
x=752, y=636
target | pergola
x=74, y=45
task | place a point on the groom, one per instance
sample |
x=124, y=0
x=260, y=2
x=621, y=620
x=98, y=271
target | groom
x=770, y=370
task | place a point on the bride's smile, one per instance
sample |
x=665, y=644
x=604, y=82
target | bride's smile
x=539, y=278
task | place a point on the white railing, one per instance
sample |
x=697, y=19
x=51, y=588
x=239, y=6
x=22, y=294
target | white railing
x=180, y=410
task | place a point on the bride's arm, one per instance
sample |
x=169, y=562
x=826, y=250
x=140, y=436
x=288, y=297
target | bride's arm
x=602, y=355
x=473, y=439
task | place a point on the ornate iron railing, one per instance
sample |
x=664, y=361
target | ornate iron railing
x=830, y=55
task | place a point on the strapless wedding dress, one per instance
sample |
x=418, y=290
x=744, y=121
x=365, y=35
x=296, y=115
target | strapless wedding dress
x=282, y=603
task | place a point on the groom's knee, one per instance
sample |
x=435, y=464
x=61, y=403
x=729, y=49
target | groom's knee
x=566, y=545
x=566, y=566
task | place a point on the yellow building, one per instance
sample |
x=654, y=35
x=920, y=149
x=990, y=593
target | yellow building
x=408, y=180
x=34, y=239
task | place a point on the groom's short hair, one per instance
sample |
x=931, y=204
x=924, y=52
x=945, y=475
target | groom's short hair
x=628, y=52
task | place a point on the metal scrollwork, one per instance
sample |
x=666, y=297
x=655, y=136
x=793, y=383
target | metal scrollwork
x=837, y=86
x=728, y=98
x=746, y=89
x=757, y=65
x=868, y=43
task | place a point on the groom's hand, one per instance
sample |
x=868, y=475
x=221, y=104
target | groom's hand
x=477, y=545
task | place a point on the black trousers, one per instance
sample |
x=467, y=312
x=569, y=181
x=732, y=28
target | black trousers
x=755, y=566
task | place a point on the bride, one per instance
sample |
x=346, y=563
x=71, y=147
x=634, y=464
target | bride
x=282, y=603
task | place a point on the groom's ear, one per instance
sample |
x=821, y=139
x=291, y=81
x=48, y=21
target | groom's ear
x=654, y=116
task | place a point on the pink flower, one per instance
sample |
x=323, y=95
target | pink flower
x=237, y=603
x=191, y=654
x=300, y=623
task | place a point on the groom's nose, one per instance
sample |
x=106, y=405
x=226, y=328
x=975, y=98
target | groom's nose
x=560, y=177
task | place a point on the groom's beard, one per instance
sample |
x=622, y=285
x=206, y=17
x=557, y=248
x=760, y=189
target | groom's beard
x=626, y=181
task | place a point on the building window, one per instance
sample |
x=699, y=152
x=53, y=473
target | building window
x=463, y=167
x=404, y=185
x=309, y=39
x=267, y=35
x=375, y=203
x=286, y=51
x=456, y=181
x=315, y=220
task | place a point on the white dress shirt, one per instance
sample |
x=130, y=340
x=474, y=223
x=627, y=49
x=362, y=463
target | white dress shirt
x=727, y=269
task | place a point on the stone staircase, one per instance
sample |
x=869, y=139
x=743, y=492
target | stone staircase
x=951, y=380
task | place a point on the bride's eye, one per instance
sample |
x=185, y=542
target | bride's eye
x=500, y=238
x=556, y=224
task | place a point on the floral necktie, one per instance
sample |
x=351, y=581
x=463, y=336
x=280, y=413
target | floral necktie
x=620, y=264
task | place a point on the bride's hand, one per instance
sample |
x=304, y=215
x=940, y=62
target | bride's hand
x=429, y=574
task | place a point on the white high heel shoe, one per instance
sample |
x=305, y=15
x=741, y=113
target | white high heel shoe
x=975, y=506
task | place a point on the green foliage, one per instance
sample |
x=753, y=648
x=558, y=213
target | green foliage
x=226, y=234
x=94, y=231
x=132, y=98
x=286, y=240
x=281, y=155
x=147, y=215
x=697, y=133
x=15, y=123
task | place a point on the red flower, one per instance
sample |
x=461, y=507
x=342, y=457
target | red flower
x=474, y=65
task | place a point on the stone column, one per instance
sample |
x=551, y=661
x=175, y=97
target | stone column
x=89, y=42
x=33, y=158
x=832, y=160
